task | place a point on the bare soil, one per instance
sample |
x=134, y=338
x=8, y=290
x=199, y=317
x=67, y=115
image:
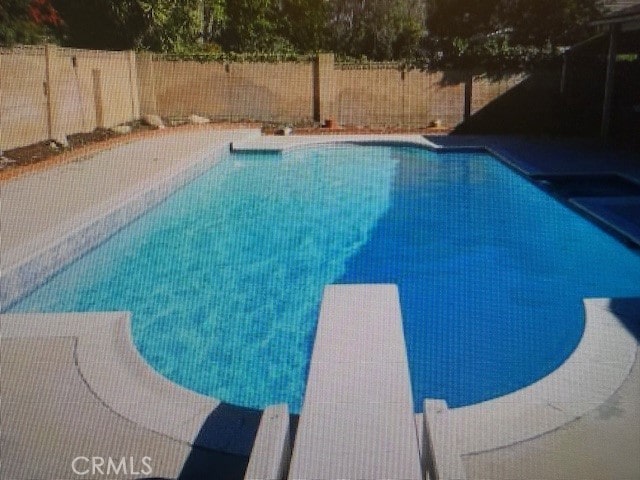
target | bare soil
x=17, y=158
x=40, y=155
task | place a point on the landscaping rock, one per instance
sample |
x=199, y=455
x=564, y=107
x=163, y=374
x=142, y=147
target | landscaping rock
x=62, y=141
x=198, y=120
x=284, y=131
x=177, y=121
x=121, y=129
x=152, y=120
x=4, y=161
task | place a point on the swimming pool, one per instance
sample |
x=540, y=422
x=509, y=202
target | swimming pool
x=224, y=278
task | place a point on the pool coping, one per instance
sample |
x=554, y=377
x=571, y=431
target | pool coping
x=594, y=205
x=115, y=372
x=503, y=421
x=593, y=372
x=277, y=144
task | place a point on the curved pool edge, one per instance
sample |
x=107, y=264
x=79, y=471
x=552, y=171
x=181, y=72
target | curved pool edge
x=111, y=367
x=122, y=380
x=596, y=369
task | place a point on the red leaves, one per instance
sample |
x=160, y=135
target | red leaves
x=42, y=13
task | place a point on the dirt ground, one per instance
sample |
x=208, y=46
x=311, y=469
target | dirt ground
x=39, y=155
x=23, y=159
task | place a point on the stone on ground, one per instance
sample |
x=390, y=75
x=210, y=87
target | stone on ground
x=198, y=120
x=61, y=140
x=121, y=129
x=152, y=120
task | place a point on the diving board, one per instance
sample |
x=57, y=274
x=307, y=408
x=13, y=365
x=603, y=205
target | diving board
x=357, y=420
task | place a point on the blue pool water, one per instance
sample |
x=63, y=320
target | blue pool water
x=224, y=278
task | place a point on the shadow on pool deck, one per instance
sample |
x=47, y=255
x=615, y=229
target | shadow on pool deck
x=223, y=445
x=628, y=312
x=552, y=155
x=599, y=181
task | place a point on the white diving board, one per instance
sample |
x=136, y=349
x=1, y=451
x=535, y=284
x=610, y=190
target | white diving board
x=357, y=420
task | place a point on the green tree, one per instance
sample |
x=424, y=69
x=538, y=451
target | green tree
x=304, y=24
x=547, y=22
x=502, y=35
x=378, y=29
x=252, y=26
x=214, y=18
x=171, y=26
x=157, y=25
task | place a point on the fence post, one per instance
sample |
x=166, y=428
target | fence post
x=563, y=74
x=609, y=81
x=133, y=85
x=468, y=94
x=324, y=87
x=51, y=89
x=315, y=72
x=97, y=97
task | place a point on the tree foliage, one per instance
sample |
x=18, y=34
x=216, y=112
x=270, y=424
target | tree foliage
x=157, y=25
x=171, y=26
x=546, y=22
x=499, y=35
x=251, y=26
x=304, y=24
x=27, y=21
x=463, y=34
x=378, y=29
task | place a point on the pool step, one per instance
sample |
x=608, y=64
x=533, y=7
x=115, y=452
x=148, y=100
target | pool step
x=357, y=420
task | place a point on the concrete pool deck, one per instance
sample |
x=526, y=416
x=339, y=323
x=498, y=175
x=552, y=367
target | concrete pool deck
x=72, y=387
x=490, y=444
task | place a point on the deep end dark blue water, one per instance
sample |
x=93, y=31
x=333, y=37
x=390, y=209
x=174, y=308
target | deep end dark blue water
x=491, y=274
